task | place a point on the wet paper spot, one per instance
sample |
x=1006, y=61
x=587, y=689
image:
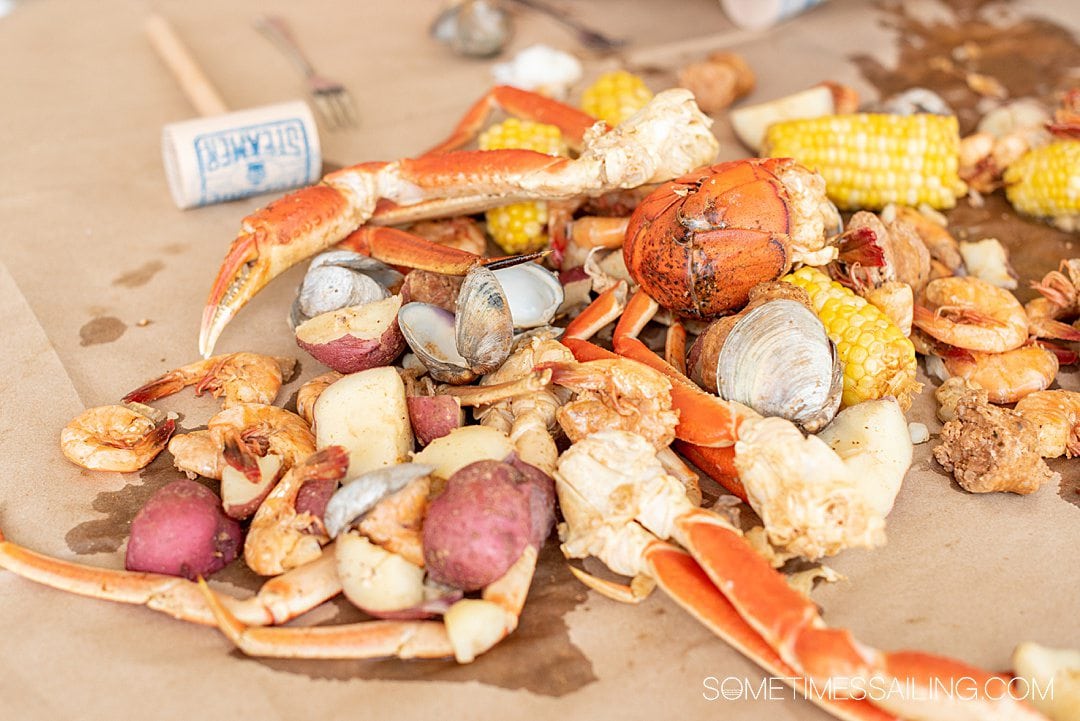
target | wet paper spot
x=103, y=329
x=1030, y=57
x=139, y=276
x=107, y=535
x=556, y=666
x=1069, y=488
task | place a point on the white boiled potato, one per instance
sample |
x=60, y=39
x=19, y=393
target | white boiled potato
x=872, y=439
x=751, y=121
x=366, y=413
x=374, y=579
x=474, y=626
x=463, y=446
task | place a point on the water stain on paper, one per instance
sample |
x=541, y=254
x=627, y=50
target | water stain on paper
x=1030, y=57
x=555, y=666
x=107, y=535
x=139, y=276
x=103, y=329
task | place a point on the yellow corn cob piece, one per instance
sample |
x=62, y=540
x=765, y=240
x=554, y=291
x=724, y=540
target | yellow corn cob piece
x=615, y=96
x=1045, y=182
x=871, y=160
x=521, y=227
x=878, y=360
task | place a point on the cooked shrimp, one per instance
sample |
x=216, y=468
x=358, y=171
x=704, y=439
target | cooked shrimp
x=310, y=392
x=972, y=314
x=395, y=522
x=240, y=377
x=197, y=454
x=1060, y=300
x=280, y=538
x=941, y=245
x=616, y=394
x=115, y=438
x=1056, y=415
x=1006, y=377
x=238, y=435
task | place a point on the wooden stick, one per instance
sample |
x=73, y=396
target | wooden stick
x=191, y=78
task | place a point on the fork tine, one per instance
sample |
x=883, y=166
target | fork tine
x=345, y=105
x=326, y=110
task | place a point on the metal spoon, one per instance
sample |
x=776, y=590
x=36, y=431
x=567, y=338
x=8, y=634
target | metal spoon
x=590, y=38
x=474, y=28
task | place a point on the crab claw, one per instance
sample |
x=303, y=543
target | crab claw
x=271, y=240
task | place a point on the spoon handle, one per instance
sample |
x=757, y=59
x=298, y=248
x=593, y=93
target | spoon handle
x=587, y=35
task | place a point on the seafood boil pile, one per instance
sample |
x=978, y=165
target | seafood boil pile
x=574, y=327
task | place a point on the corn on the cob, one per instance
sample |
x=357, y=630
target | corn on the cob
x=1045, y=182
x=878, y=360
x=871, y=160
x=521, y=227
x=615, y=96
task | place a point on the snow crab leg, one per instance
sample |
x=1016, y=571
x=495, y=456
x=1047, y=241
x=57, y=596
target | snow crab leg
x=280, y=599
x=618, y=501
x=469, y=628
x=708, y=425
x=665, y=139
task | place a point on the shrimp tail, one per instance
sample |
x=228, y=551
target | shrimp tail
x=1065, y=356
x=160, y=387
x=158, y=437
x=238, y=455
x=861, y=246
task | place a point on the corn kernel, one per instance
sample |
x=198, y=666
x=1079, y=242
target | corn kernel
x=521, y=227
x=615, y=96
x=878, y=360
x=871, y=160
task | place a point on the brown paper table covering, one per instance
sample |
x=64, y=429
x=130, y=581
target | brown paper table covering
x=102, y=283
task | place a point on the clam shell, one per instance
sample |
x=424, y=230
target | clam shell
x=379, y=271
x=429, y=331
x=474, y=28
x=779, y=361
x=339, y=279
x=483, y=324
x=360, y=495
x=533, y=293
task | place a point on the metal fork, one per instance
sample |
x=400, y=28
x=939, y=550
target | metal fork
x=331, y=99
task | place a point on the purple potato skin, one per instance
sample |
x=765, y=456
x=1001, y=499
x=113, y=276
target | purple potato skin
x=434, y=416
x=478, y=527
x=314, y=495
x=540, y=491
x=182, y=531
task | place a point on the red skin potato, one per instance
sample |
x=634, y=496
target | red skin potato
x=539, y=490
x=240, y=511
x=478, y=527
x=182, y=531
x=314, y=495
x=434, y=416
x=336, y=340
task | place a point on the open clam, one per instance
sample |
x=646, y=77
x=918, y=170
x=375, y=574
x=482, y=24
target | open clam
x=778, y=360
x=429, y=331
x=492, y=303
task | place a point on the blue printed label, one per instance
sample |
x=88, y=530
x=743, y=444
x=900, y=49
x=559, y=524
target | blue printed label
x=260, y=158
